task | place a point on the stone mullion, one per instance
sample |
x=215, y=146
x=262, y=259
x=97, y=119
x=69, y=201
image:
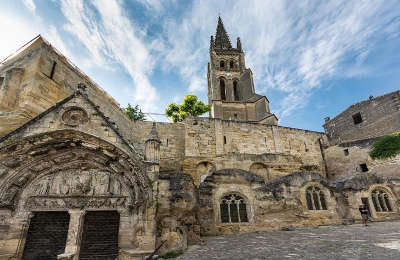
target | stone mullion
x=319, y=200
x=377, y=203
x=312, y=200
x=229, y=211
x=382, y=200
x=237, y=208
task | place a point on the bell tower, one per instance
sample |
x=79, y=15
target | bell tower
x=230, y=84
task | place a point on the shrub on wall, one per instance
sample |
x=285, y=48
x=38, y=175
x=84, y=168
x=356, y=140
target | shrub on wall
x=386, y=147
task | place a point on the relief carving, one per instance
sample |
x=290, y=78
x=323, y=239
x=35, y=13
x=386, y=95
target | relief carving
x=77, y=189
x=7, y=199
x=75, y=182
x=74, y=116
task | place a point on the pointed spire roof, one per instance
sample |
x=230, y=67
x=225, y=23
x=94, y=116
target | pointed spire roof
x=221, y=37
x=153, y=135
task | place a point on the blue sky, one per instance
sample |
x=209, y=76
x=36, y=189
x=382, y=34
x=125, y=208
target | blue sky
x=312, y=59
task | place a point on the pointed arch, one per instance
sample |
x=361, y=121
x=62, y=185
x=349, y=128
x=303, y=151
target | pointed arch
x=222, y=88
x=235, y=90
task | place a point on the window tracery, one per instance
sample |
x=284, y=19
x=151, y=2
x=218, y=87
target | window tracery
x=381, y=201
x=233, y=209
x=315, y=198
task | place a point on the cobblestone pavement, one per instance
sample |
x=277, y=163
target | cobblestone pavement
x=377, y=241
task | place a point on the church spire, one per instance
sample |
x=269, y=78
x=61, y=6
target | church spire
x=221, y=37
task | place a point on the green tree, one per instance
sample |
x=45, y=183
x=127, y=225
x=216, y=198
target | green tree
x=386, y=147
x=135, y=113
x=191, y=106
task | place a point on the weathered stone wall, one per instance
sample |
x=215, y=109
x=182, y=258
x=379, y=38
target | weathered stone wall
x=344, y=160
x=274, y=205
x=380, y=116
x=33, y=90
x=229, y=144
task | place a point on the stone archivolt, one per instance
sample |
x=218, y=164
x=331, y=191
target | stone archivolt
x=54, y=165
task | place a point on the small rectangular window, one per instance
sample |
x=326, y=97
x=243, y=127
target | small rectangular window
x=346, y=152
x=167, y=142
x=235, y=116
x=224, y=139
x=1, y=81
x=357, y=118
x=364, y=167
x=53, y=69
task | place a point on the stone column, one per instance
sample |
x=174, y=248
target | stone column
x=76, y=219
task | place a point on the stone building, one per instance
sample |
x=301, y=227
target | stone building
x=352, y=133
x=231, y=91
x=77, y=174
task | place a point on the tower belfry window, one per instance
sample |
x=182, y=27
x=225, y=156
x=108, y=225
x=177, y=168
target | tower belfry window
x=231, y=64
x=222, y=64
x=222, y=87
x=235, y=91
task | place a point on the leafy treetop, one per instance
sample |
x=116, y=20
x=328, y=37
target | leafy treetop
x=135, y=113
x=191, y=106
x=386, y=147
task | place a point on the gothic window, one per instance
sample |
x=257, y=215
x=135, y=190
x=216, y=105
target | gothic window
x=235, y=90
x=222, y=64
x=222, y=88
x=315, y=199
x=381, y=201
x=233, y=209
x=231, y=64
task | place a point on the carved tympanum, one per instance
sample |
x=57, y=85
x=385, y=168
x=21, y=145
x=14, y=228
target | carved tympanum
x=73, y=182
x=77, y=189
x=74, y=116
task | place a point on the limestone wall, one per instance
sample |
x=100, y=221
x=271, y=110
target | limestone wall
x=33, y=91
x=344, y=160
x=229, y=144
x=380, y=116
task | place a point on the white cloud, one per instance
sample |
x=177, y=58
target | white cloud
x=291, y=46
x=111, y=38
x=30, y=5
x=8, y=26
x=53, y=36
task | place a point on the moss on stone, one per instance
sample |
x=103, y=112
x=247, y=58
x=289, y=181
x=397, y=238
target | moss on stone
x=386, y=147
x=172, y=254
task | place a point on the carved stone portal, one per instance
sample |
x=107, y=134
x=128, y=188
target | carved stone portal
x=77, y=189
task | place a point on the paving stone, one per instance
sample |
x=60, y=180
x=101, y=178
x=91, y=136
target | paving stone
x=380, y=240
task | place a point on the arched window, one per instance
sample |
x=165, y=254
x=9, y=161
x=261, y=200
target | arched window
x=235, y=91
x=233, y=209
x=315, y=199
x=222, y=64
x=381, y=201
x=222, y=88
x=231, y=64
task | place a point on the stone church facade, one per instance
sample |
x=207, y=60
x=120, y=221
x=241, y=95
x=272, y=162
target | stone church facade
x=79, y=180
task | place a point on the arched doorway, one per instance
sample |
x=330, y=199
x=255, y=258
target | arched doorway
x=80, y=175
x=47, y=235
